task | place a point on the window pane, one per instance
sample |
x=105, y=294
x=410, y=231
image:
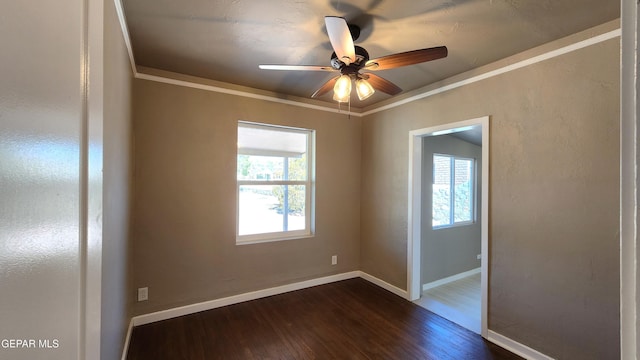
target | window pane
x=267, y=168
x=259, y=210
x=297, y=168
x=265, y=140
x=263, y=207
x=441, y=199
x=463, y=202
x=296, y=206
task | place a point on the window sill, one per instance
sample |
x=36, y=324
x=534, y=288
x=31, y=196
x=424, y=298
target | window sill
x=441, y=227
x=266, y=240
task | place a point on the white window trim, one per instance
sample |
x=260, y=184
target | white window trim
x=454, y=224
x=309, y=230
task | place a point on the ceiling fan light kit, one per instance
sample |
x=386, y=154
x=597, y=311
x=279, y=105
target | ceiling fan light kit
x=349, y=59
x=364, y=89
x=342, y=88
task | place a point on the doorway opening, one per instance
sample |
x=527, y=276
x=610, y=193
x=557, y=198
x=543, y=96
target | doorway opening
x=423, y=226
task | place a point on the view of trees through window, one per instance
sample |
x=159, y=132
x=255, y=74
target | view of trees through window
x=453, y=190
x=287, y=198
x=272, y=193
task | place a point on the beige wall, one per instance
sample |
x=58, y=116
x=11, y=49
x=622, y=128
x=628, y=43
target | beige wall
x=554, y=197
x=117, y=294
x=185, y=197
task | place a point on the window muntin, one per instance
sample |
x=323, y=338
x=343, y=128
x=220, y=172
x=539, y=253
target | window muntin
x=274, y=177
x=453, y=191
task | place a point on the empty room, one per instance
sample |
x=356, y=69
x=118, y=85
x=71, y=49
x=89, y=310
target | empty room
x=364, y=179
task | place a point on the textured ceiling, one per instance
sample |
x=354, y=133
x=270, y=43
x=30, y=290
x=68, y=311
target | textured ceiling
x=226, y=40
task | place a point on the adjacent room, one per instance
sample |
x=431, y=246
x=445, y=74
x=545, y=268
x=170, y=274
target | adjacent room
x=287, y=179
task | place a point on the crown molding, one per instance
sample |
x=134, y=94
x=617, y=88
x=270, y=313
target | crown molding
x=484, y=73
x=548, y=51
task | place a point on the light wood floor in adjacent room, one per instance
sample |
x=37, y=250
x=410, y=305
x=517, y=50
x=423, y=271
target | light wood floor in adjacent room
x=458, y=301
x=351, y=319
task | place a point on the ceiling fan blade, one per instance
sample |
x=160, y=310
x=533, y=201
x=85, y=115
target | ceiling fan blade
x=407, y=58
x=297, y=67
x=382, y=84
x=340, y=38
x=328, y=86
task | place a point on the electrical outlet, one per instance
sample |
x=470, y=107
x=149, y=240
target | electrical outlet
x=479, y=256
x=334, y=260
x=143, y=294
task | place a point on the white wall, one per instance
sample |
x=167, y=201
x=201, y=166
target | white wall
x=50, y=182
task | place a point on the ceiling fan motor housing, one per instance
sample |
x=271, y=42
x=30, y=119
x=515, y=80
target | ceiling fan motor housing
x=362, y=56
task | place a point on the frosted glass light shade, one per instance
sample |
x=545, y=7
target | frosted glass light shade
x=364, y=89
x=342, y=89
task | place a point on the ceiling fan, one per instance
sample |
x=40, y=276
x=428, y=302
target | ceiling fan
x=349, y=59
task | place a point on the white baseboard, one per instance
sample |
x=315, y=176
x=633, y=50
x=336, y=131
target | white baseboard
x=515, y=347
x=449, y=279
x=385, y=285
x=127, y=339
x=212, y=304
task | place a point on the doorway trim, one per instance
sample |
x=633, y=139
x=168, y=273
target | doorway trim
x=414, y=288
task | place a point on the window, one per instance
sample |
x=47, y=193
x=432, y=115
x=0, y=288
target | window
x=453, y=191
x=275, y=168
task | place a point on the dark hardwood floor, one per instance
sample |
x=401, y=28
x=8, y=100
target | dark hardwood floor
x=351, y=319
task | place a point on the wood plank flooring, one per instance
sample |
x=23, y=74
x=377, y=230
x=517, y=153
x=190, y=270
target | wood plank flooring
x=351, y=319
x=458, y=301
